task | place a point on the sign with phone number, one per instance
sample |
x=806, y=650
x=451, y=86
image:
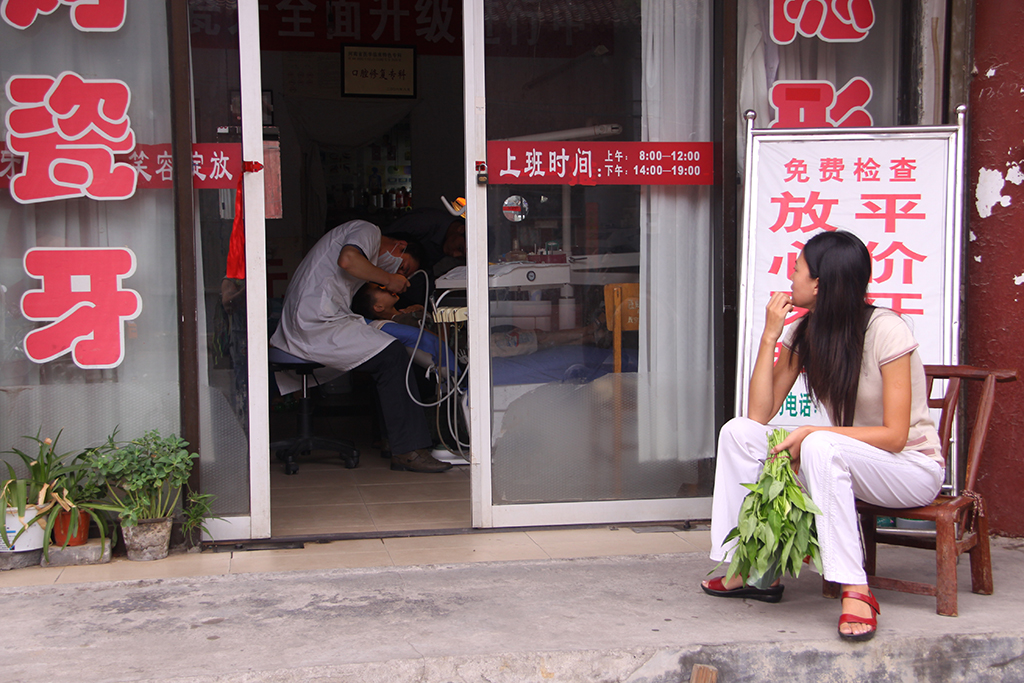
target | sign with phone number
x=599, y=163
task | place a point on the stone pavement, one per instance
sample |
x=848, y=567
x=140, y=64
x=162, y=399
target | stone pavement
x=636, y=619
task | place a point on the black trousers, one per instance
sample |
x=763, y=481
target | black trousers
x=406, y=422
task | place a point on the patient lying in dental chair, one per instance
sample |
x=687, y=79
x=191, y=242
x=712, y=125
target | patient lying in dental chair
x=378, y=305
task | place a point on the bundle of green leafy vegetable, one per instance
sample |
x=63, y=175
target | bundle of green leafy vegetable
x=775, y=531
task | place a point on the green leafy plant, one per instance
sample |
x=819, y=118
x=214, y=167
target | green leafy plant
x=144, y=476
x=197, y=510
x=775, y=530
x=81, y=488
x=34, y=492
x=55, y=483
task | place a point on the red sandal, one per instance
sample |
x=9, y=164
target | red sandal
x=847, y=618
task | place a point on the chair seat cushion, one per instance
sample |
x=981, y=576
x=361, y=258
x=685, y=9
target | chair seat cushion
x=286, y=361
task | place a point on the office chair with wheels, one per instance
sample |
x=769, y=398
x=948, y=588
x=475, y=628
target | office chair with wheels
x=288, y=449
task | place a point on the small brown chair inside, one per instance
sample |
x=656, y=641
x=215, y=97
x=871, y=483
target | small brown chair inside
x=960, y=522
x=622, y=314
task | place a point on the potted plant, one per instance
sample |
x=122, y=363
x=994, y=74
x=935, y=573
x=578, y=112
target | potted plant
x=78, y=496
x=144, y=477
x=27, y=500
x=57, y=500
x=197, y=509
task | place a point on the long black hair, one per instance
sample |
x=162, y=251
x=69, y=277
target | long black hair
x=829, y=341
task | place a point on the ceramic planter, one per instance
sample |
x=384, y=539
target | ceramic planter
x=150, y=539
x=28, y=549
x=32, y=539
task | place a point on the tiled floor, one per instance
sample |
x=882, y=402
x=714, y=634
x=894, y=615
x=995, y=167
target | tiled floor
x=380, y=552
x=326, y=498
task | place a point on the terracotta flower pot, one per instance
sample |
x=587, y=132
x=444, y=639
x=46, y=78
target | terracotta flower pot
x=150, y=539
x=62, y=525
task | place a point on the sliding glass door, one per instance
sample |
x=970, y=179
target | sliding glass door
x=596, y=402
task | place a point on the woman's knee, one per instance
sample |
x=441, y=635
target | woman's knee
x=743, y=435
x=817, y=448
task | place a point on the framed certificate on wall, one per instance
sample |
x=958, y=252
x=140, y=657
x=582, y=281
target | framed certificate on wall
x=372, y=71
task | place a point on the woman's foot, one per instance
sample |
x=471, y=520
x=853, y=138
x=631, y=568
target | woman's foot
x=858, y=622
x=734, y=588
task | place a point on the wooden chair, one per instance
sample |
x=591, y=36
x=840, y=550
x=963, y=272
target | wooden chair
x=622, y=313
x=960, y=522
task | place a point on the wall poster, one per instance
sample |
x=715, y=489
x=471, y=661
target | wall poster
x=898, y=189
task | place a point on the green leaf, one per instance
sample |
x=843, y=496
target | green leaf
x=747, y=526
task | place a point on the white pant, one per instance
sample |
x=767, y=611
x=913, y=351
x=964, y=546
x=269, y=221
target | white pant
x=835, y=469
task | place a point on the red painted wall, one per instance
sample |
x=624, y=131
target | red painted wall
x=994, y=312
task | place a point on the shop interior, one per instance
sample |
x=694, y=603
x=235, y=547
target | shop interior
x=342, y=159
x=379, y=158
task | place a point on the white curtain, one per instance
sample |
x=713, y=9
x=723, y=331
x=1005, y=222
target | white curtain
x=677, y=395
x=142, y=392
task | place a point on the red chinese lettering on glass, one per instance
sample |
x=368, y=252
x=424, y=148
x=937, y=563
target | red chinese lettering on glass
x=837, y=21
x=8, y=166
x=67, y=130
x=86, y=15
x=817, y=104
x=82, y=298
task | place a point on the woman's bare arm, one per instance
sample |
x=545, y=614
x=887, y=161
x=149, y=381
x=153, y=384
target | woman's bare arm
x=892, y=434
x=771, y=381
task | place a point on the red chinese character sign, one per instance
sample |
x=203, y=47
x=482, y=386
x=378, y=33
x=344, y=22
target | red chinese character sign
x=83, y=301
x=86, y=15
x=66, y=131
x=599, y=163
x=817, y=104
x=832, y=21
x=898, y=189
x=215, y=165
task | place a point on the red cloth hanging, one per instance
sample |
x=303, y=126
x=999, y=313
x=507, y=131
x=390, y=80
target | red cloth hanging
x=236, y=248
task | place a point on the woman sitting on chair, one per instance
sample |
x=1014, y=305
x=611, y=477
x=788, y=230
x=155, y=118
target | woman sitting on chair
x=863, y=367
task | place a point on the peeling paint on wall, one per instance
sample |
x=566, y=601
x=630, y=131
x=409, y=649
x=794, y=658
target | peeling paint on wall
x=1018, y=279
x=1015, y=175
x=990, y=191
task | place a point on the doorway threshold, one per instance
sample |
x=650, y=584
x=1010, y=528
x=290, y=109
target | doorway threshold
x=299, y=541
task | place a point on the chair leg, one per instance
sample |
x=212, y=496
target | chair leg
x=981, y=559
x=945, y=566
x=868, y=522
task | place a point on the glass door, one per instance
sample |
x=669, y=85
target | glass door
x=231, y=183
x=590, y=126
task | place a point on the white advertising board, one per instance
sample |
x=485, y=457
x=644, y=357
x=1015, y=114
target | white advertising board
x=898, y=189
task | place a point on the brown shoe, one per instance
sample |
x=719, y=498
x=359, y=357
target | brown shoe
x=418, y=461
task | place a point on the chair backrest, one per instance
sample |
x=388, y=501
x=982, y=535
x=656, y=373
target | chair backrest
x=949, y=404
x=622, y=313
